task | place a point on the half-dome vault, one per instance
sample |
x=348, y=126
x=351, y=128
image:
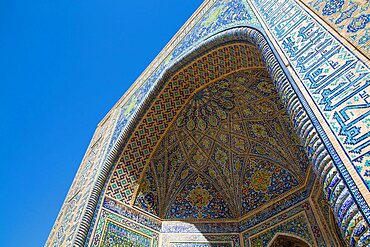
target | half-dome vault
x=214, y=154
x=231, y=150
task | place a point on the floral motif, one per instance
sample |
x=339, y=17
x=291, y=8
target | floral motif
x=264, y=181
x=247, y=112
x=198, y=159
x=199, y=197
x=220, y=157
x=297, y=226
x=358, y=23
x=241, y=164
x=266, y=87
x=147, y=196
x=117, y=235
x=239, y=144
x=223, y=14
x=265, y=108
x=261, y=179
x=332, y=6
x=207, y=107
x=259, y=130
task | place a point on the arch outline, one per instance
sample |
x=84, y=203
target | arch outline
x=323, y=158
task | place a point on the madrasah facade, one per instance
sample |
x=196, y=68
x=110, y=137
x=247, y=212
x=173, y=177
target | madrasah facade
x=250, y=128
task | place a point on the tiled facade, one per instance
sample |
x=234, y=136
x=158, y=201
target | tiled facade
x=349, y=18
x=309, y=49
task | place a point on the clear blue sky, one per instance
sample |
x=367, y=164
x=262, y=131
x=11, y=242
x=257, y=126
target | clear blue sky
x=63, y=64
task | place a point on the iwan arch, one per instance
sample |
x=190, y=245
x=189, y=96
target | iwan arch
x=250, y=128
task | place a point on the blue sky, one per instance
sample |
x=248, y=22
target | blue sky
x=63, y=65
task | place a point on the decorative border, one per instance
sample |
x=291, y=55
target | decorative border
x=106, y=216
x=335, y=184
x=132, y=214
x=322, y=162
x=318, y=154
x=348, y=18
x=302, y=209
x=198, y=240
x=109, y=224
x=314, y=29
x=70, y=217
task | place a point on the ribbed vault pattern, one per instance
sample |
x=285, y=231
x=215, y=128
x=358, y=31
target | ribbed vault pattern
x=160, y=114
x=230, y=151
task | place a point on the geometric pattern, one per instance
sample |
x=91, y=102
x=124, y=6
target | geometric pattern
x=317, y=235
x=206, y=244
x=220, y=16
x=230, y=151
x=167, y=105
x=131, y=214
x=117, y=230
x=116, y=235
x=201, y=240
x=71, y=214
x=299, y=221
x=349, y=18
x=199, y=199
x=337, y=81
x=326, y=216
x=357, y=232
x=297, y=226
x=224, y=14
x=316, y=231
x=282, y=240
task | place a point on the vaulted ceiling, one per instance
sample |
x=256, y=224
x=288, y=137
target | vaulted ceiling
x=230, y=151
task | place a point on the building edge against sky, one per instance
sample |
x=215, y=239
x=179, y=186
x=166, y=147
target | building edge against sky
x=317, y=55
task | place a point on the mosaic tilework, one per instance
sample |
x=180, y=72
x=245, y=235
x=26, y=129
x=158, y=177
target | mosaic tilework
x=282, y=240
x=265, y=214
x=348, y=17
x=218, y=244
x=71, y=214
x=221, y=16
x=199, y=198
x=132, y=214
x=200, y=227
x=296, y=226
x=317, y=152
x=172, y=97
x=117, y=235
x=65, y=227
x=297, y=221
x=326, y=217
x=233, y=138
x=116, y=230
x=337, y=81
x=200, y=240
x=350, y=131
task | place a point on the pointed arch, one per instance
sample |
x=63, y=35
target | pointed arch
x=352, y=222
x=280, y=238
